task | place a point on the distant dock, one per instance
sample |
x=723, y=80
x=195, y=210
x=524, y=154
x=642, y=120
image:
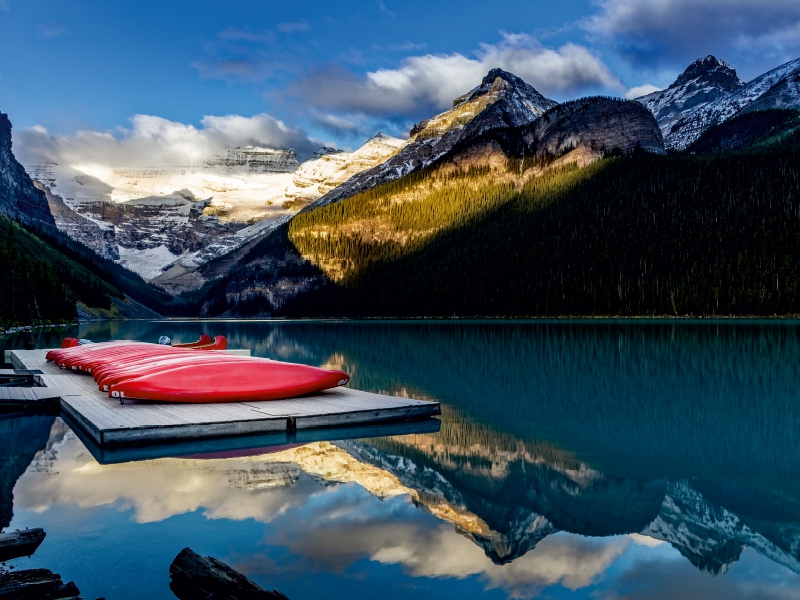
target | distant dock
x=108, y=423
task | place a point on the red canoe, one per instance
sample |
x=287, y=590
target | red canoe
x=126, y=352
x=107, y=363
x=231, y=381
x=220, y=343
x=69, y=342
x=110, y=375
x=75, y=350
x=204, y=340
x=67, y=358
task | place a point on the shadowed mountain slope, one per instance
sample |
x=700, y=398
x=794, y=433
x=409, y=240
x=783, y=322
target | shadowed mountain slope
x=19, y=199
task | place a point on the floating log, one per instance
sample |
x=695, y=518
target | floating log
x=16, y=544
x=35, y=584
x=195, y=577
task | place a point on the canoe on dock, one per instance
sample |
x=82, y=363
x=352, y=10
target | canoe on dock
x=109, y=423
x=166, y=374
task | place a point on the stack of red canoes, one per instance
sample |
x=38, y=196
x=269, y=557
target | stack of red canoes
x=184, y=373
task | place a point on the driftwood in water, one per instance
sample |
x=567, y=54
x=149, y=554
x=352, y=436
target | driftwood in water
x=15, y=544
x=195, y=577
x=35, y=584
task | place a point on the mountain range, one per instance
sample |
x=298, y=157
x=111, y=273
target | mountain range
x=228, y=234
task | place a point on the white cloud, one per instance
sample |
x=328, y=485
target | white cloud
x=338, y=124
x=382, y=8
x=153, y=140
x=645, y=540
x=432, y=81
x=653, y=30
x=641, y=90
x=424, y=551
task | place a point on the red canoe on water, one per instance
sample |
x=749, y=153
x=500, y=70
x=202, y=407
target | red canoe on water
x=229, y=381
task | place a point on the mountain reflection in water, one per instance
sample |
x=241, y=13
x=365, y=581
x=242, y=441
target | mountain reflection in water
x=563, y=446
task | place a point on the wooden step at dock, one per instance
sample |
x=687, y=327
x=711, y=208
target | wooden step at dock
x=30, y=397
x=17, y=377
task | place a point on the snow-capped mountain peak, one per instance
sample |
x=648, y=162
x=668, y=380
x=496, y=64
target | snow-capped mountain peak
x=712, y=70
x=499, y=83
x=709, y=92
x=502, y=100
x=705, y=80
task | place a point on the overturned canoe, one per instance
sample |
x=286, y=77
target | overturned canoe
x=110, y=375
x=229, y=381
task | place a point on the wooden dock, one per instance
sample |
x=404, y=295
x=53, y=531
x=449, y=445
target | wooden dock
x=109, y=423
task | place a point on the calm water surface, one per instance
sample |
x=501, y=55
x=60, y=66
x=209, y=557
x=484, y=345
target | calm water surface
x=574, y=460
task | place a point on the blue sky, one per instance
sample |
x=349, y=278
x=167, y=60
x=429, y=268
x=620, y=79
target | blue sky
x=338, y=72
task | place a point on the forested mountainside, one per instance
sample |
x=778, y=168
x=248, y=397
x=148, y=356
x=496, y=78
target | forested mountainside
x=402, y=215
x=45, y=276
x=40, y=285
x=48, y=279
x=701, y=234
x=31, y=291
x=508, y=204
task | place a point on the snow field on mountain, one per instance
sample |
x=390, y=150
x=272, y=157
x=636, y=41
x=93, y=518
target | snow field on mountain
x=251, y=197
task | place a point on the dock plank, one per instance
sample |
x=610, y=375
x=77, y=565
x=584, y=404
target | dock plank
x=110, y=423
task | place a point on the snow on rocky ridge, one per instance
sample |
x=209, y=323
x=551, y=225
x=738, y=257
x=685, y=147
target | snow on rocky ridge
x=149, y=218
x=709, y=92
x=705, y=80
x=502, y=100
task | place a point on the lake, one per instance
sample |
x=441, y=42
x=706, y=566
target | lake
x=574, y=459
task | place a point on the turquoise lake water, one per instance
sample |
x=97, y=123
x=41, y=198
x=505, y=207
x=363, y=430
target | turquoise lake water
x=573, y=459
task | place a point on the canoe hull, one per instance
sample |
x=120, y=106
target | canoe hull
x=229, y=382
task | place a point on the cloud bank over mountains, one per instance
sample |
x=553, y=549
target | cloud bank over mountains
x=430, y=82
x=333, y=99
x=344, y=97
x=153, y=140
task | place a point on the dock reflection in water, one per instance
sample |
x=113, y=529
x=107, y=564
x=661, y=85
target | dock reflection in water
x=587, y=459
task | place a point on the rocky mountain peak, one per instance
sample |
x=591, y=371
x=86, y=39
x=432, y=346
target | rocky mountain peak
x=684, y=122
x=255, y=159
x=705, y=81
x=596, y=124
x=324, y=151
x=501, y=103
x=710, y=69
x=19, y=199
x=500, y=83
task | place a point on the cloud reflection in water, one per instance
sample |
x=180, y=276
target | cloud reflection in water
x=325, y=525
